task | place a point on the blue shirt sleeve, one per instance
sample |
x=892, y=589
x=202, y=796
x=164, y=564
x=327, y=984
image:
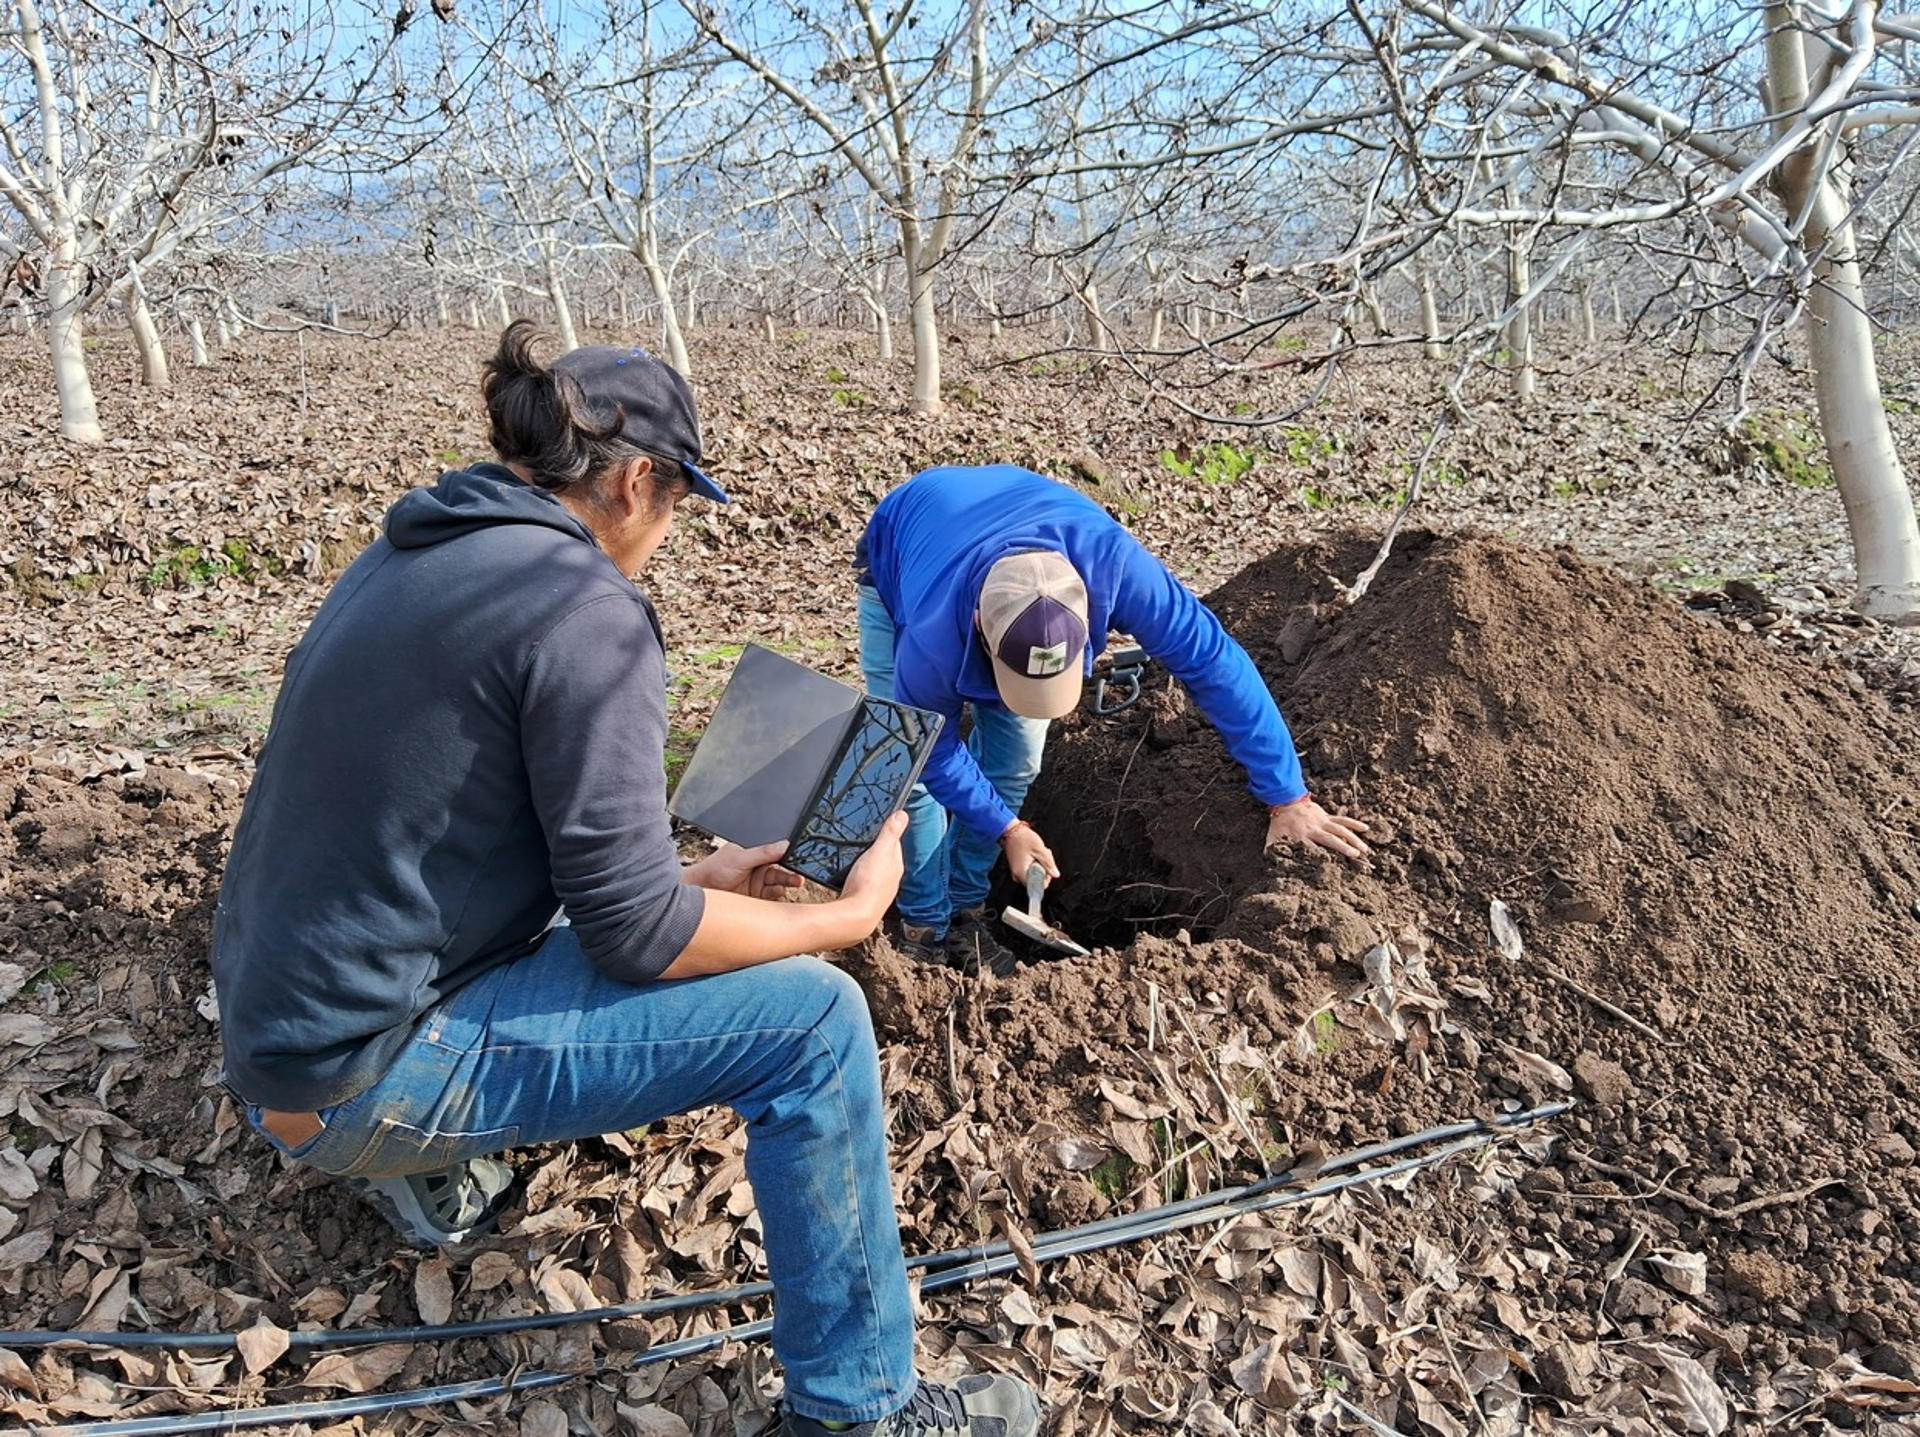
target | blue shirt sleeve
x=1180, y=631
x=951, y=775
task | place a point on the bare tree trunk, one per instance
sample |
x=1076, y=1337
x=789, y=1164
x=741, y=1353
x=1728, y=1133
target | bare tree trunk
x=1432, y=348
x=1376, y=313
x=1089, y=294
x=926, y=335
x=1853, y=418
x=648, y=253
x=79, y=416
x=501, y=309
x=767, y=329
x=1156, y=325
x=557, y=294
x=197, y=342
x=1519, y=334
x=1589, y=327
x=154, y=371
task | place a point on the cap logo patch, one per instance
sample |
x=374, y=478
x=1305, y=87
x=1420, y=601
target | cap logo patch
x=1045, y=662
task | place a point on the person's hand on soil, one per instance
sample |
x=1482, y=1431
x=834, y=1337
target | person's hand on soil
x=875, y=875
x=750, y=871
x=1024, y=848
x=1305, y=821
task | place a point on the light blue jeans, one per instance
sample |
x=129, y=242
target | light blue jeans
x=947, y=864
x=548, y=1049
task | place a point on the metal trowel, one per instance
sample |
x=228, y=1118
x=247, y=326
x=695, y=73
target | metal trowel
x=1030, y=924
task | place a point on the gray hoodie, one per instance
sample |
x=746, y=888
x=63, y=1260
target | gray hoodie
x=468, y=738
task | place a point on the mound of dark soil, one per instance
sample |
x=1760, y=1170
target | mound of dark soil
x=1720, y=842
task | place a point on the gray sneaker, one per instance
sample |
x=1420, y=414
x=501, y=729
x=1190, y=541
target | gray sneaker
x=437, y=1208
x=974, y=948
x=982, y=1404
x=922, y=945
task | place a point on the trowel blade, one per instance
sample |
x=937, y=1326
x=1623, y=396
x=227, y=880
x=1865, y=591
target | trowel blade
x=1025, y=924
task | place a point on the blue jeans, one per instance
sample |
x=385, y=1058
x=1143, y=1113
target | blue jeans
x=547, y=1049
x=947, y=863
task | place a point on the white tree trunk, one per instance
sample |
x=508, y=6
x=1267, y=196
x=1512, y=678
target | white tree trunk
x=1376, y=312
x=1432, y=348
x=562, y=314
x=79, y=416
x=473, y=312
x=767, y=329
x=1520, y=327
x=926, y=337
x=649, y=257
x=154, y=370
x=501, y=309
x=1096, y=318
x=883, y=331
x=1853, y=417
x=197, y=339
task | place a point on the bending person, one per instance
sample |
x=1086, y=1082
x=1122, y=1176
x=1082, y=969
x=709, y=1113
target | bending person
x=469, y=739
x=996, y=587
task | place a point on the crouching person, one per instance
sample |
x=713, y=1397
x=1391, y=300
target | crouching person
x=468, y=742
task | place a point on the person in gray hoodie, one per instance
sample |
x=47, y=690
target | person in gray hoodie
x=454, y=920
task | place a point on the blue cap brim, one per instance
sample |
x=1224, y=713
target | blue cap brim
x=705, y=487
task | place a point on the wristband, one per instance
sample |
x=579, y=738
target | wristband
x=1273, y=808
x=1017, y=823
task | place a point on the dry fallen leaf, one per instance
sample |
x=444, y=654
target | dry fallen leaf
x=1703, y=1407
x=15, y=1373
x=261, y=1345
x=361, y=1370
x=1505, y=932
x=80, y=1165
x=490, y=1269
x=1545, y=1069
x=651, y=1422
x=323, y=1304
x=433, y=1291
x=1075, y=1154
x=1684, y=1272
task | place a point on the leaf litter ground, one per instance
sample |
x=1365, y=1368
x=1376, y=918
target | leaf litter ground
x=1704, y=833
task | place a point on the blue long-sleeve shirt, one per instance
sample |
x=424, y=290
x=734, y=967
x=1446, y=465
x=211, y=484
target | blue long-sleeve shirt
x=927, y=550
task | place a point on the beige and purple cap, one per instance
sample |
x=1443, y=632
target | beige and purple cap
x=1033, y=615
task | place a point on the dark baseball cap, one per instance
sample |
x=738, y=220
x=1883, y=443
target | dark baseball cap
x=1033, y=615
x=653, y=400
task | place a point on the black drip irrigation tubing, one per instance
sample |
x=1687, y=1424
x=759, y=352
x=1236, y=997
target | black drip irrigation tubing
x=954, y=1268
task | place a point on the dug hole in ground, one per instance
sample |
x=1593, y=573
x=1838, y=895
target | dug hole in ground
x=1714, y=840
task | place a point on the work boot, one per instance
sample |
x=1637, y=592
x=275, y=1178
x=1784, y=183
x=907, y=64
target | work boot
x=982, y=1404
x=922, y=945
x=974, y=948
x=437, y=1208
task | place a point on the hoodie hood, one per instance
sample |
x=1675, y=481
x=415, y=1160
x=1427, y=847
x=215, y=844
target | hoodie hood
x=464, y=500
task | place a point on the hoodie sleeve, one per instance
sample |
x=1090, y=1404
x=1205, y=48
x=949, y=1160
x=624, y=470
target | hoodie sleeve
x=593, y=734
x=1181, y=632
x=951, y=775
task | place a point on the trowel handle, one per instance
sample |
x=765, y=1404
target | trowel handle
x=1036, y=885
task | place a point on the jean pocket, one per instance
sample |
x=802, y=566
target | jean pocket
x=395, y=1148
x=300, y=1151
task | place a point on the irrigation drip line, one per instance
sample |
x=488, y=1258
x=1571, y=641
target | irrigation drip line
x=967, y=1257
x=959, y=1267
